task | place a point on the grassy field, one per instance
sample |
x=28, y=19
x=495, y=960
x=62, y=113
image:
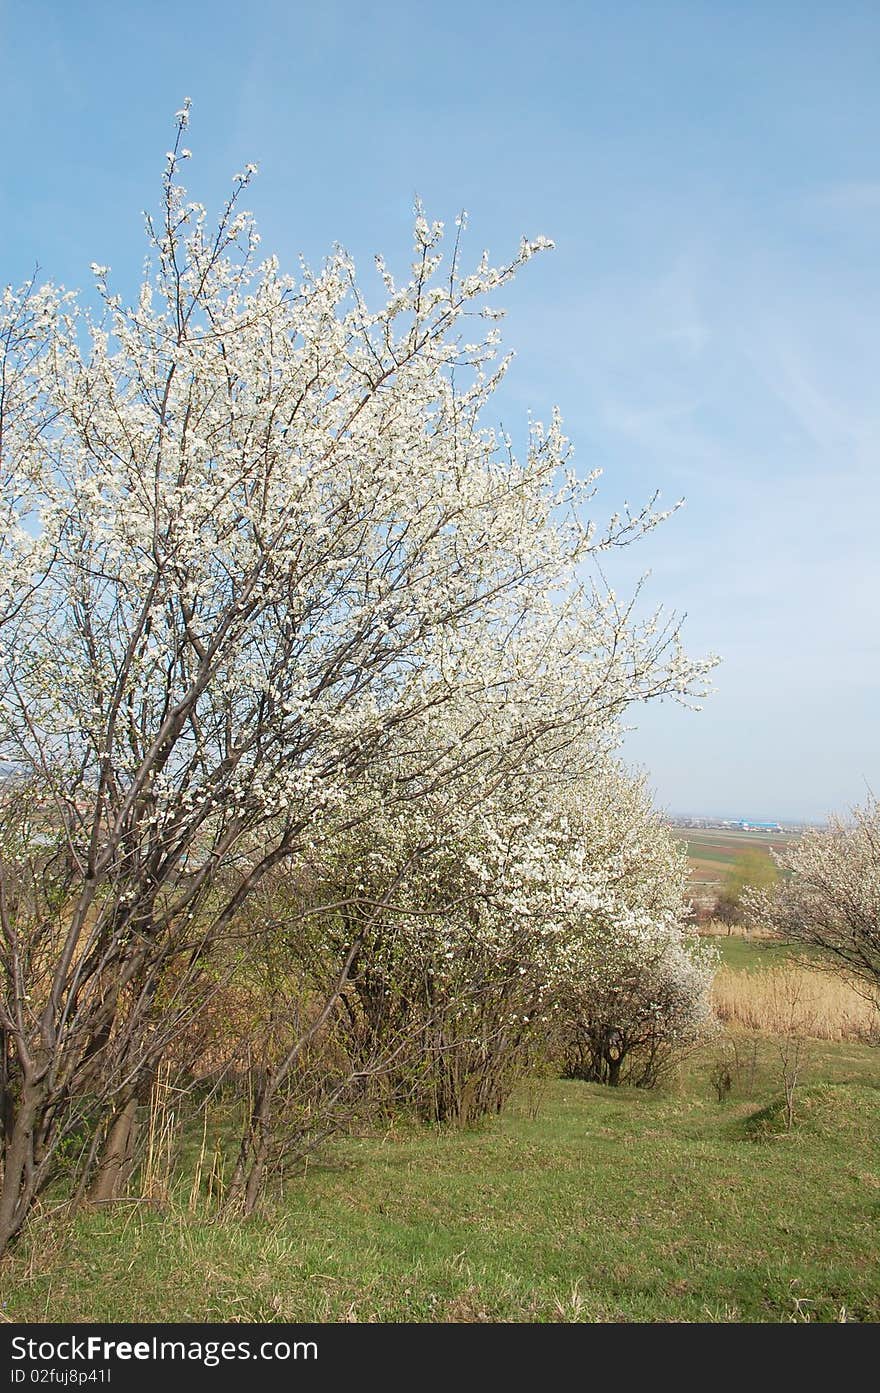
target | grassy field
x=741, y=953
x=581, y=1203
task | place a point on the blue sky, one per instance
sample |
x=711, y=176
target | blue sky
x=708, y=323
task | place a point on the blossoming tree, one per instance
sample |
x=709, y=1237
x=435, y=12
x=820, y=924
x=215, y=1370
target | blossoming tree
x=253, y=532
x=829, y=895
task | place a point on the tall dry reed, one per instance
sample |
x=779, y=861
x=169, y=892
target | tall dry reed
x=828, y=1008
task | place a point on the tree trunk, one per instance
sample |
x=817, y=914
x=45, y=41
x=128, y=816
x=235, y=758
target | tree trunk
x=257, y=1171
x=114, y=1167
x=247, y=1178
x=7, y=1111
x=20, y=1176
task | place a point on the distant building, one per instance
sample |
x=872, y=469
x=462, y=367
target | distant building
x=746, y=825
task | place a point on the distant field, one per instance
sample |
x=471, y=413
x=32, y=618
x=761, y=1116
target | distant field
x=712, y=852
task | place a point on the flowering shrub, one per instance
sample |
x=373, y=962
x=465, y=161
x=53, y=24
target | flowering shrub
x=638, y=989
x=551, y=911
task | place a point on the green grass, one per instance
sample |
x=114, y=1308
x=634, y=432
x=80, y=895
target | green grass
x=605, y=1205
x=749, y=954
x=754, y=954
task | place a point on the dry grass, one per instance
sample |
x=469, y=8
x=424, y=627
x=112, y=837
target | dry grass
x=716, y=928
x=780, y=1000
